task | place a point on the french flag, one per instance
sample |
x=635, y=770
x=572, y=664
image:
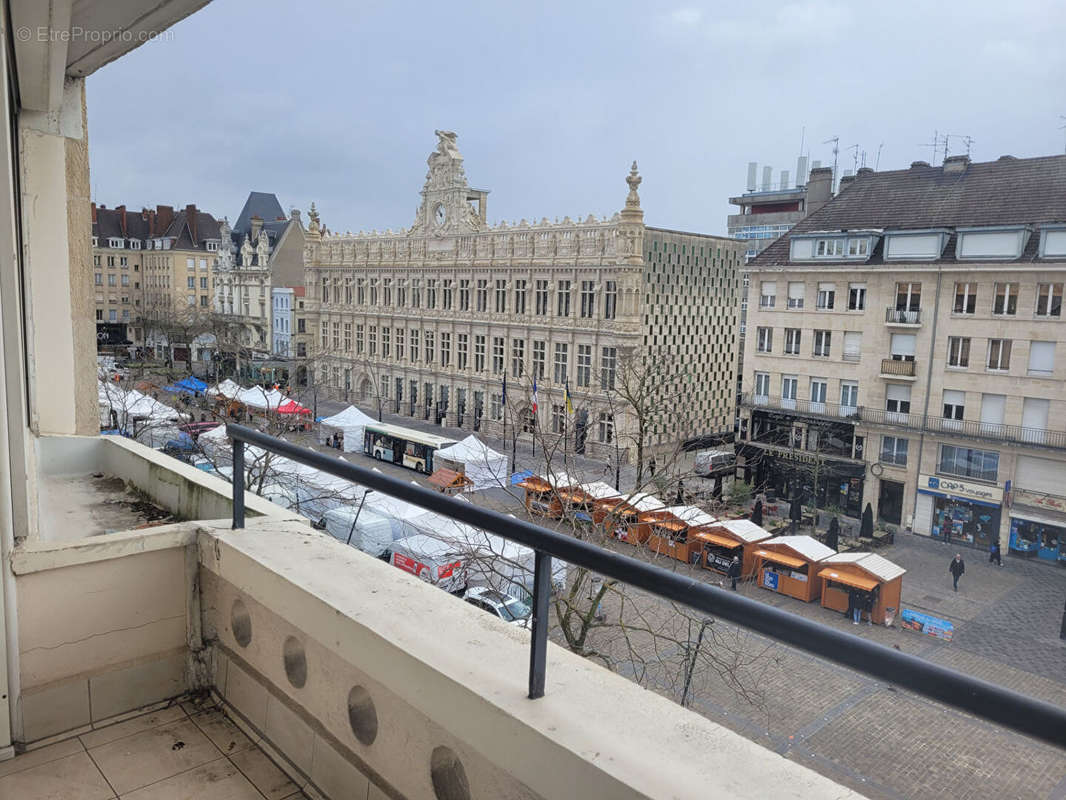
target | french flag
x=534, y=394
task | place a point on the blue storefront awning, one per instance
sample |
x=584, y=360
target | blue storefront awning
x=959, y=497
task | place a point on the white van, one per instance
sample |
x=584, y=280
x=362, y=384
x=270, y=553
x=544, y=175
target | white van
x=432, y=560
x=709, y=461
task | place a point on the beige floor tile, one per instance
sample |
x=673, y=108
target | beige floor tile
x=218, y=780
x=154, y=754
x=119, y=730
x=41, y=756
x=226, y=736
x=266, y=776
x=74, y=777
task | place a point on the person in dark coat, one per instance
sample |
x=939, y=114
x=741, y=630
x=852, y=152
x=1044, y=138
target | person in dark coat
x=680, y=493
x=869, y=601
x=956, y=568
x=832, y=536
x=994, y=554
x=734, y=572
x=855, y=601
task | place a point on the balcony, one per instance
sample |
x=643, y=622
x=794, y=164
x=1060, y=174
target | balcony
x=316, y=657
x=897, y=368
x=907, y=319
x=994, y=432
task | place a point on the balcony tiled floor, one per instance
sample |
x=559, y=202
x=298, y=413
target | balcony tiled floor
x=179, y=752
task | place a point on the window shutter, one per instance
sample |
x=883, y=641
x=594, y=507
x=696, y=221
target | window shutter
x=1034, y=412
x=853, y=343
x=1042, y=357
x=898, y=391
x=992, y=408
x=903, y=344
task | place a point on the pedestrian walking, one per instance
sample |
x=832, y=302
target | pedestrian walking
x=869, y=600
x=680, y=493
x=734, y=572
x=832, y=536
x=956, y=568
x=856, y=603
x=994, y=553
x=651, y=467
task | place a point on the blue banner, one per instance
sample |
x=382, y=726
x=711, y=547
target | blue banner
x=923, y=623
x=769, y=579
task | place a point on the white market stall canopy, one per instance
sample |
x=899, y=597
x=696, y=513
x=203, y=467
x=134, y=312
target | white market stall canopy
x=350, y=422
x=479, y=462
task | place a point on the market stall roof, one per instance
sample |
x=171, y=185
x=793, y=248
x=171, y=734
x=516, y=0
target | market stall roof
x=876, y=565
x=351, y=417
x=716, y=539
x=449, y=479
x=645, y=502
x=849, y=578
x=534, y=483
x=745, y=529
x=561, y=480
x=692, y=516
x=781, y=558
x=292, y=407
x=806, y=546
x=227, y=389
x=598, y=490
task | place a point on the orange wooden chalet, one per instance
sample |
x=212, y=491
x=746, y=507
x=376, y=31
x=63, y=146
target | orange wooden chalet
x=580, y=501
x=449, y=481
x=867, y=572
x=620, y=516
x=542, y=494
x=728, y=538
x=788, y=564
x=674, y=531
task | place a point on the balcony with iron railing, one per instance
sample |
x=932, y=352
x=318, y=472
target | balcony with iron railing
x=897, y=316
x=928, y=423
x=898, y=368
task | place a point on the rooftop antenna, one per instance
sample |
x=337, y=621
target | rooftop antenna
x=966, y=140
x=803, y=138
x=855, y=157
x=935, y=145
x=836, y=151
x=877, y=163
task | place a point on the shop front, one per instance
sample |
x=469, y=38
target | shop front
x=1038, y=526
x=957, y=511
x=785, y=472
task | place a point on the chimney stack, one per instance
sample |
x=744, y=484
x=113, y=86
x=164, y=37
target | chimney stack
x=819, y=188
x=845, y=181
x=190, y=217
x=122, y=219
x=94, y=213
x=164, y=217
x=956, y=164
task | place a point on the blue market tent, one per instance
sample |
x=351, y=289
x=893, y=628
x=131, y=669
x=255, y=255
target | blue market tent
x=190, y=385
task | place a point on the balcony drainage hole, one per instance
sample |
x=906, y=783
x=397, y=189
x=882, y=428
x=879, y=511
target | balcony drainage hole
x=449, y=777
x=241, y=623
x=362, y=715
x=295, y=662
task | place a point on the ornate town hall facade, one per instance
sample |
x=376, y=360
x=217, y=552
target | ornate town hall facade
x=637, y=323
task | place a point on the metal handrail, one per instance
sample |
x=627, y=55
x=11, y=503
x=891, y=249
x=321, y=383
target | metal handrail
x=981, y=698
x=899, y=316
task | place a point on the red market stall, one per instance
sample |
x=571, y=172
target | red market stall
x=730, y=537
x=787, y=565
x=620, y=514
x=674, y=531
x=867, y=572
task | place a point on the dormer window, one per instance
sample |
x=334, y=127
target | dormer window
x=114, y=242
x=1053, y=241
x=829, y=248
x=858, y=247
x=925, y=244
x=95, y=244
x=135, y=244
x=166, y=244
x=212, y=246
x=993, y=243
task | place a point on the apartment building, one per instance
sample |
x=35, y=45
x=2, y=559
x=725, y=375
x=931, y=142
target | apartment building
x=263, y=249
x=907, y=351
x=117, y=246
x=436, y=318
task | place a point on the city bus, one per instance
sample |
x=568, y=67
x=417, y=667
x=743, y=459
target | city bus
x=404, y=446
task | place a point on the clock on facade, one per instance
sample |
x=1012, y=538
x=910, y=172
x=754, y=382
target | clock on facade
x=440, y=214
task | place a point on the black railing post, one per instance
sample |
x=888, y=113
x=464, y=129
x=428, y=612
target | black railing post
x=238, y=484
x=538, y=651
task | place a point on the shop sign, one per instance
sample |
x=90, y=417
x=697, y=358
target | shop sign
x=930, y=626
x=769, y=579
x=1037, y=500
x=963, y=489
x=717, y=561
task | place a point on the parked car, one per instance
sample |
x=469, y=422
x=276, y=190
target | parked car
x=507, y=608
x=710, y=461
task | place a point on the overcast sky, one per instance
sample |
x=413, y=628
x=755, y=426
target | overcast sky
x=336, y=102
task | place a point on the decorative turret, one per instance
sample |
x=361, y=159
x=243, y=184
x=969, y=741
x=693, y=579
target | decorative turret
x=313, y=229
x=631, y=224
